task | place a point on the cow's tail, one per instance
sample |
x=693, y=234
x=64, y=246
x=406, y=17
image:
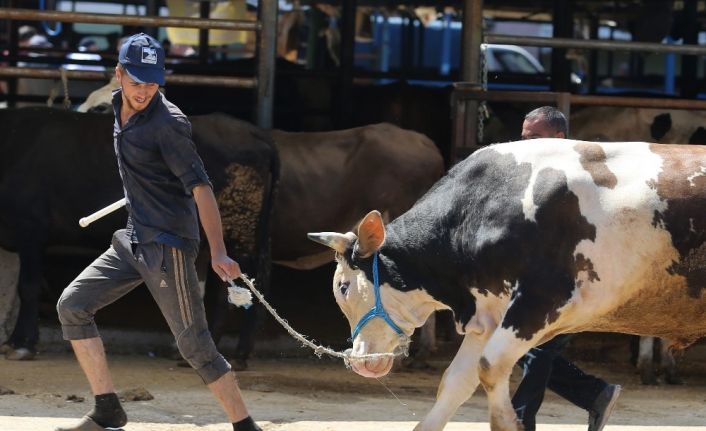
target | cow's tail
x=264, y=243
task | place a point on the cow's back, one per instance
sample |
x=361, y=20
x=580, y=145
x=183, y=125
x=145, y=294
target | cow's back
x=56, y=167
x=331, y=179
x=59, y=166
x=243, y=165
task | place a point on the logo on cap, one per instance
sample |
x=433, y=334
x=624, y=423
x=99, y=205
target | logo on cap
x=149, y=55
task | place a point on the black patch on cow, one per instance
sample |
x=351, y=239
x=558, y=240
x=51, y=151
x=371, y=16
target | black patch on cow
x=584, y=264
x=682, y=187
x=660, y=125
x=470, y=230
x=548, y=279
x=698, y=137
x=657, y=219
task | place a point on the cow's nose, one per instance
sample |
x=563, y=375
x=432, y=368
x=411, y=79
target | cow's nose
x=372, y=367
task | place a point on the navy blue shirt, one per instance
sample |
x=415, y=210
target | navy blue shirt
x=159, y=167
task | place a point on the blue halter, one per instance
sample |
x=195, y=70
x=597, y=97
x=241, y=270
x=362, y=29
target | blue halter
x=378, y=310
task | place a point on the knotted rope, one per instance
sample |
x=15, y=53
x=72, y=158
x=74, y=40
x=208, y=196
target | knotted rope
x=319, y=350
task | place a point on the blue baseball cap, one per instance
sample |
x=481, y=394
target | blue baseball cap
x=143, y=59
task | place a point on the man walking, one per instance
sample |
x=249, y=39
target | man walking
x=167, y=192
x=544, y=367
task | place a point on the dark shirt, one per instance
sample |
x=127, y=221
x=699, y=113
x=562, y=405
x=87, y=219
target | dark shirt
x=159, y=167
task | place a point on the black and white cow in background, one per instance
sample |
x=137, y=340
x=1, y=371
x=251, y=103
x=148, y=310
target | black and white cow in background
x=524, y=241
x=652, y=357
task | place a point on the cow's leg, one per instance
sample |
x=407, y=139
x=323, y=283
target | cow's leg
x=457, y=385
x=253, y=316
x=26, y=334
x=668, y=364
x=500, y=354
x=645, y=361
x=216, y=302
x=9, y=298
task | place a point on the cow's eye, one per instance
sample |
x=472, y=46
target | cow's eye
x=343, y=286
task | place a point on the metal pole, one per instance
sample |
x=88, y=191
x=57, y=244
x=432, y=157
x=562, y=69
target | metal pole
x=472, y=37
x=638, y=102
x=13, y=41
x=610, y=45
x=216, y=81
x=345, y=105
x=563, y=103
x=563, y=23
x=593, y=57
x=151, y=9
x=137, y=21
x=689, y=63
x=266, y=55
x=468, y=92
x=204, y=13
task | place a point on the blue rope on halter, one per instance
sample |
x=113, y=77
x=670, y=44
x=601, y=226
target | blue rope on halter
x=378, y=310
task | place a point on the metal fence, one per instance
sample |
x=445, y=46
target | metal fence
x=265, y=26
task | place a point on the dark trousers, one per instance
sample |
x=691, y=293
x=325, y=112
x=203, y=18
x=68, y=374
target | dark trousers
x=545, y=368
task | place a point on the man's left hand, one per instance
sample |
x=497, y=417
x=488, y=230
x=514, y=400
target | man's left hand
x=225, y=267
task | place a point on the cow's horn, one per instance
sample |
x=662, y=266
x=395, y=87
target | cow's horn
x=337, y=241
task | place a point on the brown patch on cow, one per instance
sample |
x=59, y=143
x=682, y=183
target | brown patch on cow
x=484, y=367
x=682, y=185
x=240, y=203
x=584, y=264
x=662, y=306
x=593, y=160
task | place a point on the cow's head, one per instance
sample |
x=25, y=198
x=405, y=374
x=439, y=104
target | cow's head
x=373, y=331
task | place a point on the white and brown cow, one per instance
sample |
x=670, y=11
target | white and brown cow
x=615, y=124
x=527, y=240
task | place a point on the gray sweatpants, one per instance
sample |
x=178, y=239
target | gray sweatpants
x=170, y=275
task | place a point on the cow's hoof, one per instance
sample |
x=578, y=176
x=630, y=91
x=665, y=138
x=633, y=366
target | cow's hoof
x=673, y=379
x=497, y=424
x=648, y=378
x=21, y=354
x=238, y=364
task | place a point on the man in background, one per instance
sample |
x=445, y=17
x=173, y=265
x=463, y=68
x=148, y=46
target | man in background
x=543, y=366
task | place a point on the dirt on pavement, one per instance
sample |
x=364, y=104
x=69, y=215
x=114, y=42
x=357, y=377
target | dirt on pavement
x=311, y=394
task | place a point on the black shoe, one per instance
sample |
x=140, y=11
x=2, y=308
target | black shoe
x=603, y=407
x=86, y=424
x=238, y=364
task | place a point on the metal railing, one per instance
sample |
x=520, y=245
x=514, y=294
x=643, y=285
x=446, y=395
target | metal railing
x=138, y=21
x=466, y=95
x=263, y=82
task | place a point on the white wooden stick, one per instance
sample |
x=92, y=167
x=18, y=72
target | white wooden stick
x=85, y=221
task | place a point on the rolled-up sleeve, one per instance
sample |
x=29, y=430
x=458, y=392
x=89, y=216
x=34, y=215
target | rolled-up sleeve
x=180, y=155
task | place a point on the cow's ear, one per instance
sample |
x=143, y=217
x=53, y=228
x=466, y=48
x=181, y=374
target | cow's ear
x=337, y=241
x=371, y=234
